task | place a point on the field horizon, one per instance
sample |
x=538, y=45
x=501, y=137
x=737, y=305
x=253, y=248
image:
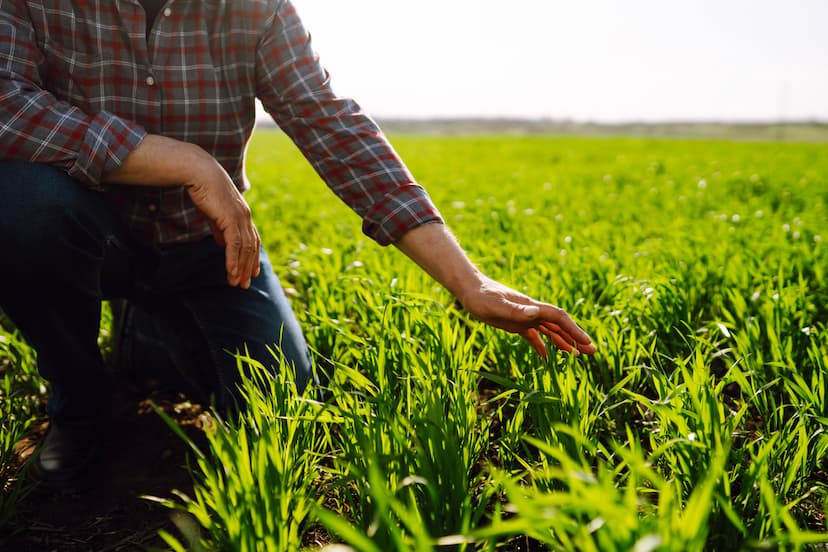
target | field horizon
x=815, y=131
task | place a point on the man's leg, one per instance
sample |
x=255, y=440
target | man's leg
x=194, y=321
x=58, y=239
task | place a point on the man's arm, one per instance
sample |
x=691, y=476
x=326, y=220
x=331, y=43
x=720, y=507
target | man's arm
x=161, y=161
x=352, y=155
x=36, y=126
x=436, y=250
x=342, y=143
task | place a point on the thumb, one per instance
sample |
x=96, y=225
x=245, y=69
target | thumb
x=217, y=233
x=530, y=312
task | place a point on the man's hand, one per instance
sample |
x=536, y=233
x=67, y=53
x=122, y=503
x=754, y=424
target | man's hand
x=507, y=309
x=160, y=161
x=434, y=248
x=215, y=195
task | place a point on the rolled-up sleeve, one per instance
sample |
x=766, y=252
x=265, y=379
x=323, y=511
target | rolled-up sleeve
x=343, y=144
x=38, y=127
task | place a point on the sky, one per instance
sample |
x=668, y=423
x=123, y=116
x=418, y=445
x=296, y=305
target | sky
x=580, y=60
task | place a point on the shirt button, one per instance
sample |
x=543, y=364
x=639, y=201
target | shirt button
x=152, y=207
x=167, y=12
x=150, y=80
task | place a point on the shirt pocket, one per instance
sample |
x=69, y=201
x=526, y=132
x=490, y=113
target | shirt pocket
x=82, y=79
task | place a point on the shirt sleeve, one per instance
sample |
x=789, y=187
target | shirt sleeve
x=344, y=145
x=36, y=126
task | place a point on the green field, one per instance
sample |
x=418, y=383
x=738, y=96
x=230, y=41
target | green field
x=699, y=268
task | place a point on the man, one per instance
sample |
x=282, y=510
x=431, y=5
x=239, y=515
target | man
x=123, y=125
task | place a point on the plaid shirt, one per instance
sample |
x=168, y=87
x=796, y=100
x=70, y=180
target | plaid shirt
x=81, y=85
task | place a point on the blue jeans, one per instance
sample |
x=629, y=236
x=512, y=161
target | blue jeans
x=64, y=252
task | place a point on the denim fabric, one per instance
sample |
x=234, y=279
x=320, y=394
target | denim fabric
x=64, y=252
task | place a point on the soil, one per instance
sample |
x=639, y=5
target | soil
x=103, y=510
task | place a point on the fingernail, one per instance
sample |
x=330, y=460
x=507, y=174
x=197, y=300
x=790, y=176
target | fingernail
x=531, y=311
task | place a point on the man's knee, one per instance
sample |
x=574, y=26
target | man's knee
x=46, y=215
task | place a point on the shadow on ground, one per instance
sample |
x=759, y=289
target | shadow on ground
x=103, y=510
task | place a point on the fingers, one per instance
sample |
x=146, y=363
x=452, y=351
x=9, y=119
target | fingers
x=531, y=335
x=563, y=331
x=554, y=328
x=558, y=321
x=242, y=255
x=558, y=339
x=249, y=257
x=232, y=251
x=587, y=349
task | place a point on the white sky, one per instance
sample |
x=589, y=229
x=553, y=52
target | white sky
x=598, y=60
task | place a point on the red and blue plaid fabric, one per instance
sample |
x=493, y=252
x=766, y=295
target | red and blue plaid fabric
x=81, y=85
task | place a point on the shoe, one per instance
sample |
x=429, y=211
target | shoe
x=67, y=451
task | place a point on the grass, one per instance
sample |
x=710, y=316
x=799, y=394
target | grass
x=698, y=267
x=20, y=393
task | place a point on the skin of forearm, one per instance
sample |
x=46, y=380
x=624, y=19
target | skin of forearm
x=159, y=161
x=435, y=249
